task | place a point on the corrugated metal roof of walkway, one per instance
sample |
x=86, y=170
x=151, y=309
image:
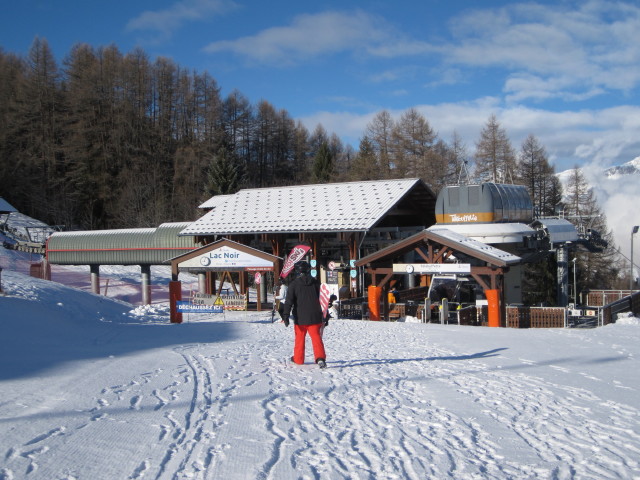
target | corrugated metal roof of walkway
x=135, y=246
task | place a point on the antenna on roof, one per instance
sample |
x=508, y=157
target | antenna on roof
x=466, y=171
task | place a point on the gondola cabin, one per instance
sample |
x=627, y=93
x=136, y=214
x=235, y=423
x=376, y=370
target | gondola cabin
x=484, y=203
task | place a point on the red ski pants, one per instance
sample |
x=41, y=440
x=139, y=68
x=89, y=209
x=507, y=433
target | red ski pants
x=316, y=340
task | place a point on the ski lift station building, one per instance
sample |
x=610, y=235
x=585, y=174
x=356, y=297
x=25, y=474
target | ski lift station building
x=341, y=222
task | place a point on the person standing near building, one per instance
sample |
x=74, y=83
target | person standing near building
x=303, y=303
x=280, y=297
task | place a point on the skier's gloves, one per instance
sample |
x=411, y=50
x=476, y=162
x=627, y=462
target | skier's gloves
x=285, y=319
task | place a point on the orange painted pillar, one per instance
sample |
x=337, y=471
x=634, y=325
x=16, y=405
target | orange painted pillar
x=175, y=295
x=493, y=300
x=374, y=294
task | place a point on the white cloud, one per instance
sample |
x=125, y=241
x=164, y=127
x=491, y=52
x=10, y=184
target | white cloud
x=523, y=86
x=572, y=51
x=165, y=22
x=307, y=36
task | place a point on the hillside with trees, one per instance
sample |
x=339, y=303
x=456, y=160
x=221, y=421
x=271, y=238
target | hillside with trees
x=113, y=140
x=110, y=140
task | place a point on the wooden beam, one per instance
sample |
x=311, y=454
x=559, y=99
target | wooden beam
x=385, y=279
x=442, y=255
x=478, y=278
x=422, y=254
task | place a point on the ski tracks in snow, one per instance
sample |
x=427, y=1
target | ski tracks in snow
x=560, y=424
x=213, y=410
x=327, y=424
x=444, y=415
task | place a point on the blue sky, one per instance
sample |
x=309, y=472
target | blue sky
x=567, y=72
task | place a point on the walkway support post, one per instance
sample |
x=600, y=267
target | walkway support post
x=145, y=271
x=95, y=278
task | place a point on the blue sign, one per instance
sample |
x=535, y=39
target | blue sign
x=187, y=307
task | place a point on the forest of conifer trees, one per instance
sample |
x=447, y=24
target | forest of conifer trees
x=113, y=140
x=110, y=140
x=107, y=140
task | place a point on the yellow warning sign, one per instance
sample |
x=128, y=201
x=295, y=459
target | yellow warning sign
x=218, y=301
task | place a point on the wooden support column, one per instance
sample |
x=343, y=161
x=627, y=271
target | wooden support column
x=244, y=284
x=278, y=245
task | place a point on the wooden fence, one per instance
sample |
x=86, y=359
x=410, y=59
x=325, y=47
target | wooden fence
x=536, y=317
x=617, y=301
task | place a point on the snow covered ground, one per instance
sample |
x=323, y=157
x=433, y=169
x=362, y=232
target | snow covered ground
x=96, y=388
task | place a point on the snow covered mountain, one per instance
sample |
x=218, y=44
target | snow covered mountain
x=594, y=174
x=629, y=168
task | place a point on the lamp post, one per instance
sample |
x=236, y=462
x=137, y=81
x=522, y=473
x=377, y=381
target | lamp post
x=634, y=230
x=575, y=284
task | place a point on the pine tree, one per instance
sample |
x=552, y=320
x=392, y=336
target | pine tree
x=323, y=165
x=539, y=282
x=224, y=176
x=538, y=176
x=365, y=165
x=379, y=132
x=495, y=159
x=412, y=146
x=594, y=269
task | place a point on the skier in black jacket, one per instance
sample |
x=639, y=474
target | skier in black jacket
x=303, y=298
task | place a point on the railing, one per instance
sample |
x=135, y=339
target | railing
x=609, y=312
x=600, y=298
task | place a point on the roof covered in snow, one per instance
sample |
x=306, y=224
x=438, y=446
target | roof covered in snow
x=444, y=236
x=472, y=247
x=340, y=207
x=214, y=201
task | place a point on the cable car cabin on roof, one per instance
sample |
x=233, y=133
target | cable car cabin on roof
x=484, y=203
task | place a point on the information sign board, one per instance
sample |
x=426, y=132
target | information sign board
x=431, y=268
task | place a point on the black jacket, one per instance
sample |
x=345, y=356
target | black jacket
x=303, y=297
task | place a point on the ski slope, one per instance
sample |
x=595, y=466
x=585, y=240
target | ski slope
x=95, y=388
